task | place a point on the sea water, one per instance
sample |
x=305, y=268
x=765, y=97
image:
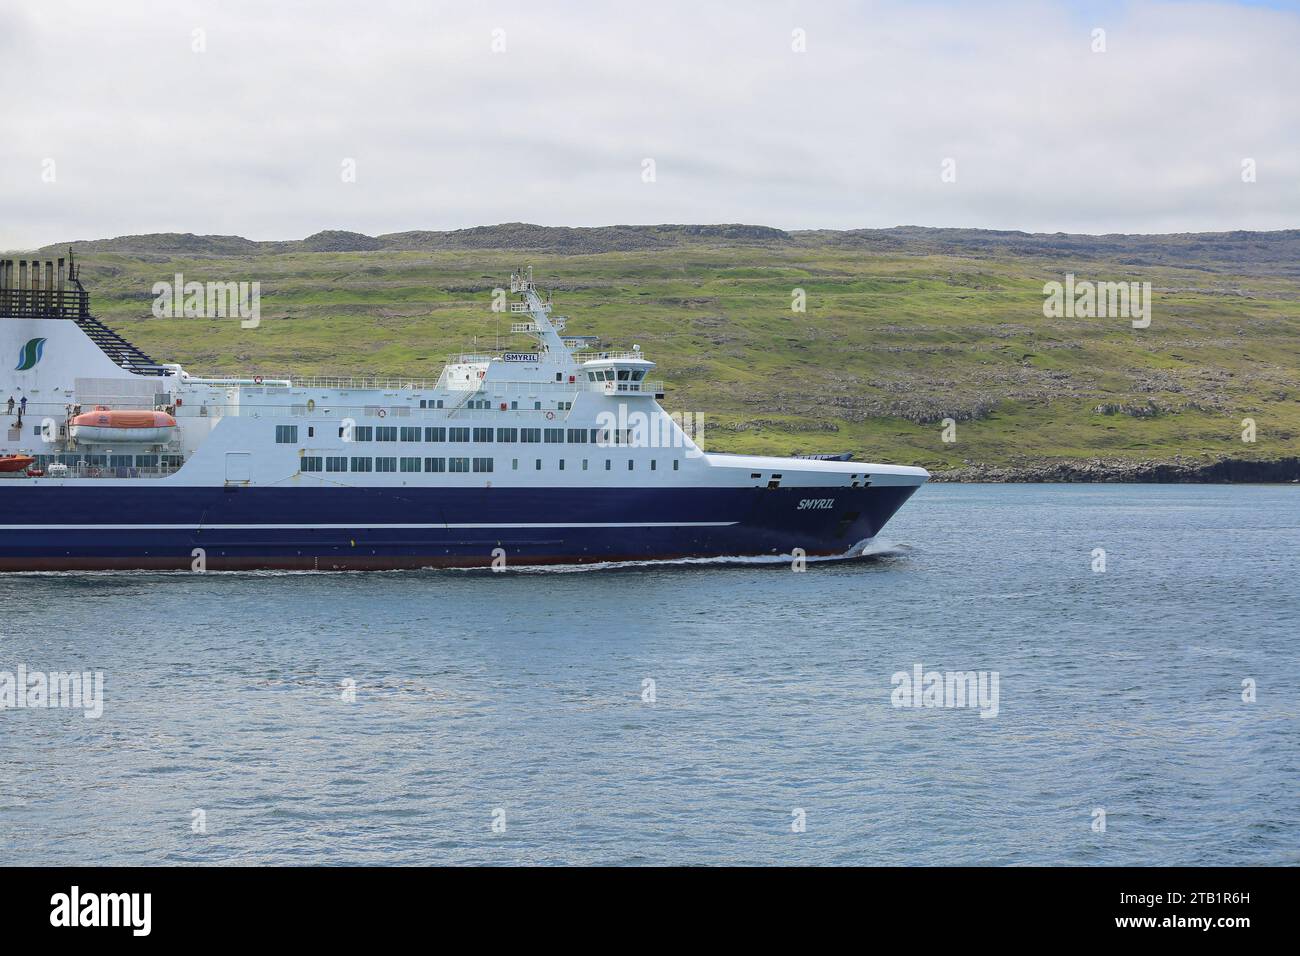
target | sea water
x=1143, y=643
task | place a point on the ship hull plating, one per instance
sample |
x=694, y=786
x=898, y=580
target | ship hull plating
x=52, y=527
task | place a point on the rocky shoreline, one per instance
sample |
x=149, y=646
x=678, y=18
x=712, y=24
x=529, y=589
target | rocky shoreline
x=1177, y=470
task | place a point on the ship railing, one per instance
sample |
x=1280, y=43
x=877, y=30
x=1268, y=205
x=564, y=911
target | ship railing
x=89, y=470
x=340, y=382
x=364, y=383
x=607, y=356
x=616, y=388
x=377, y=414
x=532, y=328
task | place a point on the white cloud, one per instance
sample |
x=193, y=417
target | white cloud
x=248, y=137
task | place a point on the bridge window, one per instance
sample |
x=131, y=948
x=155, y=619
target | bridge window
x=286, y=434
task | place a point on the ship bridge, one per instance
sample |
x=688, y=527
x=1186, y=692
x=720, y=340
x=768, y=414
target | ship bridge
x=619, y=373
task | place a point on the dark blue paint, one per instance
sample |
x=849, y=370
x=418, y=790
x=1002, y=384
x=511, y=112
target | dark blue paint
x=766, y=522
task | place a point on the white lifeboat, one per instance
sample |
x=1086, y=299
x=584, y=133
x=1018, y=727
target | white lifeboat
x=105, y=426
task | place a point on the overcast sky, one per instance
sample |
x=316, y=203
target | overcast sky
x=141, y=132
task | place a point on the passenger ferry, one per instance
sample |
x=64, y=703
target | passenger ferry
x=557, y=454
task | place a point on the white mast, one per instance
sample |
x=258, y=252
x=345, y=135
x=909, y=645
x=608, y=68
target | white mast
x=541, y=325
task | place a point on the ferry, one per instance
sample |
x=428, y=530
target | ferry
x=558, y=453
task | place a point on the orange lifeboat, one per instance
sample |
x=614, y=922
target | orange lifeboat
x=14, y=464
x=106, y=426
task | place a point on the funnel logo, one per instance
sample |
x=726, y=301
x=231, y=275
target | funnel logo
x=30, y=354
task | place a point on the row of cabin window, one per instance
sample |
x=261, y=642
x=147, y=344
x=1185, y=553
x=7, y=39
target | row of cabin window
x=624, y=375
x=288, y=434
x=356, y=463
x=112, y=461
x=486, y=403
x=361, y=463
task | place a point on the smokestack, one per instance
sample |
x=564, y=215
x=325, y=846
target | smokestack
x=49, y=283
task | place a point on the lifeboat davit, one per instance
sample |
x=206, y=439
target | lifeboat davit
x=106, y=426
x=14, y=464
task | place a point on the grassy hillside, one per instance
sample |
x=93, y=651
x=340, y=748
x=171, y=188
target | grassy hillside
x=903, y=328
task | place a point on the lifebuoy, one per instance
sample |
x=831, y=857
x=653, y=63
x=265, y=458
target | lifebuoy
x=382, y=413
x=257, y=380
x=550, y=416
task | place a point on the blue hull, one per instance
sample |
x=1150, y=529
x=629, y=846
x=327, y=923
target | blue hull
x=50, y=527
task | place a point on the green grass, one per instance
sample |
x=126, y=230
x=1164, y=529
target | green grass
x=885, y=340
